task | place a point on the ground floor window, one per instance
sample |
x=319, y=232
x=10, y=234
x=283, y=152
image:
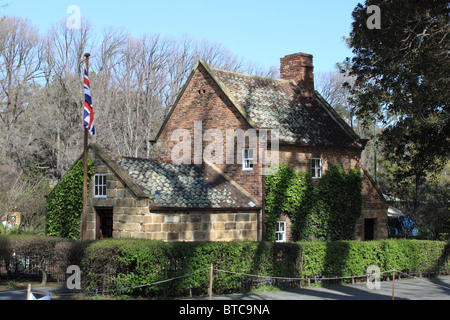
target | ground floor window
x=280, y=231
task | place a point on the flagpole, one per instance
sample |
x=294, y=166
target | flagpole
x=85, y=169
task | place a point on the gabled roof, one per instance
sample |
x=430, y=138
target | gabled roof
x=171, y=185
x=183, y=185
x=281, y=104
x=268, y=103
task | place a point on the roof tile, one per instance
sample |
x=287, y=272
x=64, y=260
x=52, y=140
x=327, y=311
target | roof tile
x=280, y=104
x=182, y=185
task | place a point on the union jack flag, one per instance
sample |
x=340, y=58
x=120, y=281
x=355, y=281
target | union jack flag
x=88, y=115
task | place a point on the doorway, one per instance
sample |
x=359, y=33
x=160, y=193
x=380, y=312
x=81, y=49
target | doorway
x=104, y=223
x=369, y=229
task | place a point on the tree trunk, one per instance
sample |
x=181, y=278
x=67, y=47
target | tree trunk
x=44, y=276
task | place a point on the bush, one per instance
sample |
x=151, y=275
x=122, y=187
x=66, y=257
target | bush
x=39, y=251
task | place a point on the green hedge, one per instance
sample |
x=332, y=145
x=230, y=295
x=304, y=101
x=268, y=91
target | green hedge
x=118, y=264
x=115, y=264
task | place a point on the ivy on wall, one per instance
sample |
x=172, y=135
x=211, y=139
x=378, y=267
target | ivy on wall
x=328, y=211
x=65, y=203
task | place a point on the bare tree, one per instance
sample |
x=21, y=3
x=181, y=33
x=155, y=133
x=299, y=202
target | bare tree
x=134, y=82
x=333, y=86
x=60, y=102
x=19, y=67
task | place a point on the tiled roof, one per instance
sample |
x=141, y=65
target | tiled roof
x=279, y=104
x=182, y=185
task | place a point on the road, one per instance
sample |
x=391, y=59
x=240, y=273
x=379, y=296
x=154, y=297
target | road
x=405, y=289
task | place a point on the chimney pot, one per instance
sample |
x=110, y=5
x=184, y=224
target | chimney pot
x=299, y=68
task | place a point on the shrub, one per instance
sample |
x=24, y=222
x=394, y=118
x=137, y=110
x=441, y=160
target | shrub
x=39, y=251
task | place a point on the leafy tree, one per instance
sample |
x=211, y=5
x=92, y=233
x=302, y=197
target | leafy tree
x=402, y=70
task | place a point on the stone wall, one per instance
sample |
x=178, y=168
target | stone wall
x=201, y=226
x=129, y=211
x=373, y=208
x=134, y=218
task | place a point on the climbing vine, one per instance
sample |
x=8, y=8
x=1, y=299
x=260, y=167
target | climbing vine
x=65, y=203
x=328, y=211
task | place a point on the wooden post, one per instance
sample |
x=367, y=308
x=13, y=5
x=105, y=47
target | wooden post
x=29, y=292
x=210, y=282
x=85, y=169
x=393, y=283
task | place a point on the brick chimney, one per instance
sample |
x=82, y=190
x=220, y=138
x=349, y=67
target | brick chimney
x=298, y=67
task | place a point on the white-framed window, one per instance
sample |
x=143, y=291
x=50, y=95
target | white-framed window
x=280, y=232
x=247, y=159
x=100, y=189
x=316, y=168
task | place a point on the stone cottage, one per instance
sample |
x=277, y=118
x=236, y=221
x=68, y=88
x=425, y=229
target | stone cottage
x=206, y=184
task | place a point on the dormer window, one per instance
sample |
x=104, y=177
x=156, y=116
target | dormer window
x=247, y=159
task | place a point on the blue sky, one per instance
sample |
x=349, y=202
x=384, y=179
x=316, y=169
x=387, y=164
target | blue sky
x=261, y=31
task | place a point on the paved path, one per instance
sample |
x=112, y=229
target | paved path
x=405, y=289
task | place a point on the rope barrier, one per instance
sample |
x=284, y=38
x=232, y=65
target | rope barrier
x=237, y=273
x=134, y=287
x=287, y=278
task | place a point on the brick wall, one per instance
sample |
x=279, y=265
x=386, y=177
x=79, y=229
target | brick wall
x=204, y=101
x=373, y=206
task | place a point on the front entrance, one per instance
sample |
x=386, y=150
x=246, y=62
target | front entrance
x=369, y=229
x=104, y=223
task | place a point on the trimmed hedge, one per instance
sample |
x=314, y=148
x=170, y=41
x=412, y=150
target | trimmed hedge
x=120, y=264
